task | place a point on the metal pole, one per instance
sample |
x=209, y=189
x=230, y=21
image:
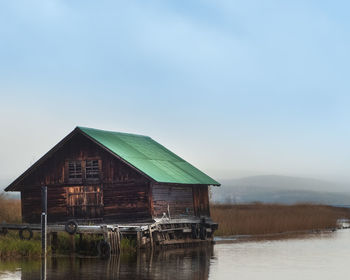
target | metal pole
x=43, y=220
x=43, y=268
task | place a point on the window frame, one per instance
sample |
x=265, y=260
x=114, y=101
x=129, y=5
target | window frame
x=75, y=177
x=84, y=174
x=94, y=163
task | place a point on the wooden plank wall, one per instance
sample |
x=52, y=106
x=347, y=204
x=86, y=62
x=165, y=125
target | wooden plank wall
x=125, y=191
x=201, y=200
x=56, y=204
x=85, y=202
x=126, y=203
x=31, y=204
x=179, y=198
x=127, y=194
x=53, y=170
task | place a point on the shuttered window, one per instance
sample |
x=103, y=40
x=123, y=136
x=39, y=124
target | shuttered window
x=74, y=170
x=92, y=169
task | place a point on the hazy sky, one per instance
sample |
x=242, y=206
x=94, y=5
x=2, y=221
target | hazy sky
x=242, y=86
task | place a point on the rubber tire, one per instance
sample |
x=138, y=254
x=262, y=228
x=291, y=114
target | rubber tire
x=104, y=249
x=23, y=230
x=71, y=227
x=203, y=233
x=195, y=231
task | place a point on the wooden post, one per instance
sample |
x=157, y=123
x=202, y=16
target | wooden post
x=72, y=243
x=151, y=235
x=54, y=242
x=111, y=240
x=105, y=232
x=80, y=241
x=118, y=232
x=43, y=221
x=138, y=236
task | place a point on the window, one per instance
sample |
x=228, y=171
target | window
x=74, y=170
x=92, y=169
x=80, y=170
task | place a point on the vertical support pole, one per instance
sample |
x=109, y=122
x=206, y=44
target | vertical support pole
x=151, y=235
x=105, y=233
x=118, y=232
x=43, y=231
x=169, y=212
x=138, y=237
x=43, y=220
x=43, y=268
x=54, y=242
x=72, y=243
x=80, y=241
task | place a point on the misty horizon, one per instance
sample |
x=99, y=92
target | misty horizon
x=226, y=178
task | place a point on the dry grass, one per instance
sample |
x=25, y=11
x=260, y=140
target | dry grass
x=242, y=219
x=255, y=219
x=10, y=209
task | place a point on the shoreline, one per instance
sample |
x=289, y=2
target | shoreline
x=237, y=223
x=272, y=236
x=217, y=241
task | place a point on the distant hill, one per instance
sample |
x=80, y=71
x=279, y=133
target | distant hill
x=269, y=189
x=281, y=189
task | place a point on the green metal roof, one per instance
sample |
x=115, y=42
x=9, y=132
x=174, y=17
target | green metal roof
x=149, y=157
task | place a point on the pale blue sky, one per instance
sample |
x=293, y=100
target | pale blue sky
x=241, y=86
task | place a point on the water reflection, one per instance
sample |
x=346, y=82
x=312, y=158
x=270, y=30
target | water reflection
x=318, y=256
x=168, y=264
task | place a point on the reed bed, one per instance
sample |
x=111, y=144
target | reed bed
x=254, y=219
x=242, y=219
x=10, y=209
x=13, y=247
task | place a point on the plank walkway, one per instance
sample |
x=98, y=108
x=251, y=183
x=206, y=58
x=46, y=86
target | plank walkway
x=162, y=232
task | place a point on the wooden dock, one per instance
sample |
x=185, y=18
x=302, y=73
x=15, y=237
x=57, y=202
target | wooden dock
x=158, y=234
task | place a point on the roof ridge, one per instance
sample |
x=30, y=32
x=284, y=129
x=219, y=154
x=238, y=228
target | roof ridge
x=110, y=131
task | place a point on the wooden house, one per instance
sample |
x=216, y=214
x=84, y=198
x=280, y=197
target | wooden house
x=102, y=176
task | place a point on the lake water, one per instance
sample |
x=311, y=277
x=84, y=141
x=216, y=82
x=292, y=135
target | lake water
x=319, y=256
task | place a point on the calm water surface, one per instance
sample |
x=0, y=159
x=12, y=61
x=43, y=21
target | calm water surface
x=322, y=256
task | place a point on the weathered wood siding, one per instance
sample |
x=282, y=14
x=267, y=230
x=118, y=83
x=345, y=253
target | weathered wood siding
x=124, y=190
x=126, y=193
x=123, y=193
x=56, y=204
x=126, y=203
x=179, y=198
x=85, y=202
x=201, y=200
x=31, y=205
x=53, y=172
